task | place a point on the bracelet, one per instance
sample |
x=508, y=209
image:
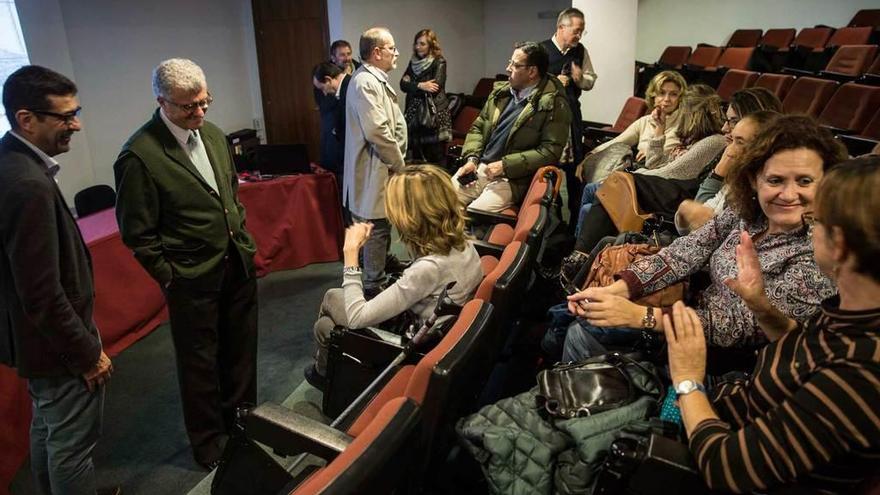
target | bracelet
x=351, y=270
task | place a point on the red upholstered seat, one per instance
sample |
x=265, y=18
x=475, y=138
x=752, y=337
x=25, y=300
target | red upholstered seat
x=779, y=84
x=462, y=124
x=866, y=17
x=851, y=60
x=736, y=58
x=745, y=38
x=674, y=57
x=705, y=56
x=808, y=95
x=503, y=234
x=851, y=107
x=487, y=286
x=850, y=36
x=632, y=110
x=813, y=39
x=778, y=38
x=735, y=80
x=483, y=87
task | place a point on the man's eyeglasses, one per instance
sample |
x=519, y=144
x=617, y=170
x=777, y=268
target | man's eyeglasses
x=809, y=219
x=66, y=118
x=730, y=121
x=392, y=49
x=511, y=63
x=191, y=107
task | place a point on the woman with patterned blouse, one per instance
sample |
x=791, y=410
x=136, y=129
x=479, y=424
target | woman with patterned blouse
x=808, y=419
x=774, y=184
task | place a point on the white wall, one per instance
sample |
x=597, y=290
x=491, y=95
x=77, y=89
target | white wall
x=458, y=24
x=611, y=41
x=510, y=21
x=687, y=22
x=109, y=49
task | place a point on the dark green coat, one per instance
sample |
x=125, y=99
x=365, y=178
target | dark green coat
x=538, y=135
x=179, y=229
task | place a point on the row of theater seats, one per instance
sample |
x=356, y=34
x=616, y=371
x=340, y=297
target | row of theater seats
x=403, y=434
x=851, y=110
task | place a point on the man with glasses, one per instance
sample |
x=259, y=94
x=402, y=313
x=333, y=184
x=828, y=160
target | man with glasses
x=47, y=295
x=570, y=62
x=375, y=144
x=522, y=127
x=178, y=210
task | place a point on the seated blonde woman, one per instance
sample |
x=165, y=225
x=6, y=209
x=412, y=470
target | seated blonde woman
x=422, y=205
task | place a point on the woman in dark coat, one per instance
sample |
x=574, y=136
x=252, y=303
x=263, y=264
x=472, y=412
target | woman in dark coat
x=424, y=79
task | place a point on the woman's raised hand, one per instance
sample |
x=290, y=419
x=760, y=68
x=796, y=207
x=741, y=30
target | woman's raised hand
x=749, y=281
x=356, y=236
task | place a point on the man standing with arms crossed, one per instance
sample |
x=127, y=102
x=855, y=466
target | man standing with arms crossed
x=375, y=144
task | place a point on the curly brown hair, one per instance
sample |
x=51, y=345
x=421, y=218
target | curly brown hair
x=788, y=132
x=433, y=43
x=700, y=115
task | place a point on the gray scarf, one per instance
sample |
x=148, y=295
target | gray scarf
x=420, y=65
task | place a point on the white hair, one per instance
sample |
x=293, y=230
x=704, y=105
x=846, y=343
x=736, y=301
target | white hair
x=177, y=73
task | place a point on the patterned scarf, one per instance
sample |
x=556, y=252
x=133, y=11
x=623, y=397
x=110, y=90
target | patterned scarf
x=419, y=65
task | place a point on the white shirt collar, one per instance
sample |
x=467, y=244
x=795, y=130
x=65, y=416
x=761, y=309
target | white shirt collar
x=339, y=87
x=558, y=46
x=179, y=133
x=52, y=164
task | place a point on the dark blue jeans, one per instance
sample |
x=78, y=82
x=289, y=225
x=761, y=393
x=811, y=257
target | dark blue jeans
x=585, y=341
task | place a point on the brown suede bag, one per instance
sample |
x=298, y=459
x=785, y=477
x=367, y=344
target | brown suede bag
x=614, y=259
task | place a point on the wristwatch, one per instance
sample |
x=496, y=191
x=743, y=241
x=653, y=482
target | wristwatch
x=685, y=387
x=351, y=270
x=649, y=322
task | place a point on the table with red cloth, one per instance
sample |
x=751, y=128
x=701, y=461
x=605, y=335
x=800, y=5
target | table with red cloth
x=294, y=220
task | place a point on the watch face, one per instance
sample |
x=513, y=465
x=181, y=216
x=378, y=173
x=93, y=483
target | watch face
x=685, y=387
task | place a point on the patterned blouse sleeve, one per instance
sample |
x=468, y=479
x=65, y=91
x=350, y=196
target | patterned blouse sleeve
x=684, y=257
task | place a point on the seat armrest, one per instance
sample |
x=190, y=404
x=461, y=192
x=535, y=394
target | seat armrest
x=590, y=123
x=857, y=145
x=291, y=433
x=487, y=248
x=488, y=217
x=797, y=72
x=837, y=76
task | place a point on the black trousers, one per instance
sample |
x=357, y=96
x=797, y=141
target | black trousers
x=215, y=342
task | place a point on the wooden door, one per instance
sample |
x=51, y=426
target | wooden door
x=292, y=36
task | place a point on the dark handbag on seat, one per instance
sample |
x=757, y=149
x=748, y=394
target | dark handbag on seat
x=571, y=390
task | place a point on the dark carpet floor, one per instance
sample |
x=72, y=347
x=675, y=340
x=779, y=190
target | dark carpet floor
x=144, y=446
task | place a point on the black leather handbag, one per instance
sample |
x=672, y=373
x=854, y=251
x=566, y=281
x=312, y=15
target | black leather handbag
x=572, y=390
x=426, y=113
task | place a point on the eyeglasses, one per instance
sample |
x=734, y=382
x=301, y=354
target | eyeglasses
x=730, y=121
x=809, y=219
x=191, y=107
x=511, y=63
x=66, y=118
x=392, y=49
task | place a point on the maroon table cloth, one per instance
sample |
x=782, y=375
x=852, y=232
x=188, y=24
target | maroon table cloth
x=295, y=221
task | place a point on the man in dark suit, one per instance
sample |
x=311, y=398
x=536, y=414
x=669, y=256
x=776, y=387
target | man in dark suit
x=332, y=82
x=331, y=105
x=178, y=211
x=47, y=295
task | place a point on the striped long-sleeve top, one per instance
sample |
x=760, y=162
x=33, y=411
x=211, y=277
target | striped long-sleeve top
x=810, y=414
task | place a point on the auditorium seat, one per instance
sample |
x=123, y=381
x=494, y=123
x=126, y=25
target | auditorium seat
x=866, y=17
x=483, y=88
x=544, y=187
x=808, y=95
x=745, y=38
x=731, y=58
x=672, y=58
x=596, y=133
x=812, y=39
x=849, y=62
x=529, y=229
x=779, y=84
x=866, y=139
x=872, y=74
x=735, y=80
x=704, y=56
x=850, y=36
x=809, y=44
x=462, y=124
x=777, y=39
x=850, y=108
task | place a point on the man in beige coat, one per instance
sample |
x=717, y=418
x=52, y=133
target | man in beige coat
x=375, y=144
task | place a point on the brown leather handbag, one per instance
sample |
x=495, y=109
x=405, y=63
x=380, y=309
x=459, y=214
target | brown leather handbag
x=614, y=259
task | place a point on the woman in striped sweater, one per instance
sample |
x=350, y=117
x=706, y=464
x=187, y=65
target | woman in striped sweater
x=808, y=419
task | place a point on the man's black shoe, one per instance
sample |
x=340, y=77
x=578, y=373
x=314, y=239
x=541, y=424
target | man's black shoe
x=314, y=378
